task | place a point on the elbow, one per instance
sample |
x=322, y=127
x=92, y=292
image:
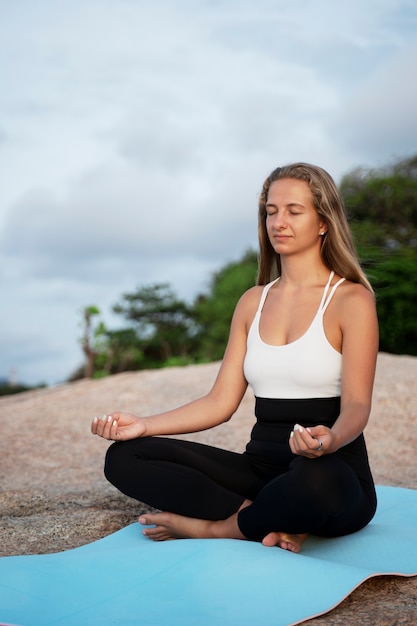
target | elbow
x=366, y=410
x=224, y=405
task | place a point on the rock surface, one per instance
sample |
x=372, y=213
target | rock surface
x=55, y=497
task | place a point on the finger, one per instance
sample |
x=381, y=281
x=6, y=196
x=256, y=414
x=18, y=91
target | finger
x=300, y=434
x=153, y=531
x=104, y=426
x=301, y=439
x=110, y=427
x=157, y=535
x=298, y=448
x=291, y=442
x=307, y=441
x=98, y=425
x=319, y=449
x=101, y=425
x=295, y=442
x=113, y=430
x=302, y=443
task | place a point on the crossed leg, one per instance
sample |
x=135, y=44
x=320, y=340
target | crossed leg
x=201, y=484
x=172, y=526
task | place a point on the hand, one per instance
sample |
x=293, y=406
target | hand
x=118, y=426
x=310, y=442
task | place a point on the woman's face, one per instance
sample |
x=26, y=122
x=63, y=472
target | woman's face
x=292, y=223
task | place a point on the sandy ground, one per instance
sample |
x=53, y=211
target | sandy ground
x=54, y=496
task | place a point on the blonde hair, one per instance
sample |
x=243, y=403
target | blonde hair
x=337, y=249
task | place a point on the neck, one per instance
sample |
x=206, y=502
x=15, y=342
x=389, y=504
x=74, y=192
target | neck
x=298, y=272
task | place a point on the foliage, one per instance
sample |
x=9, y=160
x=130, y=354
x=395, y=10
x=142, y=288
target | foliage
x=383, y=209
x=214, y=311
x=162, y=330
x=394, y=278
x=164, y=325
x=116, y=351
x=7, y=389
x=86, y=341
x=384, y=202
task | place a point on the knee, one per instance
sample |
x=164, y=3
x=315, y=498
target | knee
x=327, y=479
x=119, y=457
x=316, y=476
x=111, y=462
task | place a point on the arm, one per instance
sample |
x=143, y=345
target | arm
x=359, y=332
x=203, y=413
x=359, y=326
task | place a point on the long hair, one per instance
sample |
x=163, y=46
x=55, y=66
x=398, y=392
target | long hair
x=337, y=249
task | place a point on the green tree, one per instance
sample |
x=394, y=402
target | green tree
x=162, y=330
x=164, y=325
x=117, y=351
x=213, y=311
x=393, y=275
x=382, y=204
x=87, y=341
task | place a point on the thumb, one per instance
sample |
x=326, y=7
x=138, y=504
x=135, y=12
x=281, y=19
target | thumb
x=315, y=431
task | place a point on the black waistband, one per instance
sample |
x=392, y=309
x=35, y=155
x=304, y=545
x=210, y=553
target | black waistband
x=306, y=411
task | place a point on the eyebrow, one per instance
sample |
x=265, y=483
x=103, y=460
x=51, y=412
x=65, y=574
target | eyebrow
x=290, y=204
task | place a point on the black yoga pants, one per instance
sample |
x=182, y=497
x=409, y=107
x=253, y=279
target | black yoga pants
x=321, y=496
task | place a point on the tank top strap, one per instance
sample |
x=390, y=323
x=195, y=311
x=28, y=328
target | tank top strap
x=326, y=290
x=325, y=301
x=264, y=294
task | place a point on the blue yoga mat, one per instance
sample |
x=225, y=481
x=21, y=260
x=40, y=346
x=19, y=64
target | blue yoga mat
x=126, y=579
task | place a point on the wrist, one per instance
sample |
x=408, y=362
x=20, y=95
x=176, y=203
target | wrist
x=143, y=427
x=336, y=441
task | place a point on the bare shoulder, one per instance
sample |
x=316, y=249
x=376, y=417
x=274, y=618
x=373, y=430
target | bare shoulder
x=354, y=294
x=251, y=296
x=355, y=301
x=248, y=304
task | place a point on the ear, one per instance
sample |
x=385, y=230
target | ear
x=322, y=228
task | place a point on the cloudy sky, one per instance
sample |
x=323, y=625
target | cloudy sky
x=135, y=136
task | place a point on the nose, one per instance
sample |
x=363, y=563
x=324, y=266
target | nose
x=279, y=221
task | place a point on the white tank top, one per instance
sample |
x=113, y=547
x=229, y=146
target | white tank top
x=306, y=368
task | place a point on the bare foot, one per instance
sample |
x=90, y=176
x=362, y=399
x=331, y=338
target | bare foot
x=173, y=526
x=285, y=541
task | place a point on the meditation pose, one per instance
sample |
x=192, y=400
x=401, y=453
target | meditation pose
x=305, y=338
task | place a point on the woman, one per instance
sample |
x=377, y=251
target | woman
x=306, y=340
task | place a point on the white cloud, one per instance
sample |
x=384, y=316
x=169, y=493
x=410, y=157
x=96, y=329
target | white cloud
x=380, y=117
x=135, y=137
